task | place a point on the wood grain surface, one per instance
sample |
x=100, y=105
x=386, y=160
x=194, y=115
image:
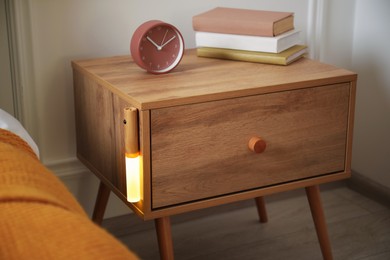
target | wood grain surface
x=201, y=151
x=199, y=79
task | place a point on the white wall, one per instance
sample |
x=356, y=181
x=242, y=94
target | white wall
x=338, y=32
x=357, y=37
x=60, y=31
x=371, y=60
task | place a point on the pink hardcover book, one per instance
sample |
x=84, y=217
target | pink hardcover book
x=244, y=21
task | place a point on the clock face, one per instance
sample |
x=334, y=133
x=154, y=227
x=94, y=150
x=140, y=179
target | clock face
x=158, y=48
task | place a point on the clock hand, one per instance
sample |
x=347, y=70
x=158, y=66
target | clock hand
x=164, y=37
x=168, y=41
x=155, y=44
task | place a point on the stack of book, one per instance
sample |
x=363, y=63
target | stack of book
x=248, y=35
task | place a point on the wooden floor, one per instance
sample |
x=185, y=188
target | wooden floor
x=359, y=228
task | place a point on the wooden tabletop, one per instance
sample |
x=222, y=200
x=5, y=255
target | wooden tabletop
x=198, y=79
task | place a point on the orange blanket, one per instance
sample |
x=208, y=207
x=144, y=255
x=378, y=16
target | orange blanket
x=39, y=218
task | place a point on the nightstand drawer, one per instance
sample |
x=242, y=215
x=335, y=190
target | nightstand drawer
x=201, y=150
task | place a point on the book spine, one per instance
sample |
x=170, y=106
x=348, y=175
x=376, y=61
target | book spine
x=245, y=42
x=239, y=56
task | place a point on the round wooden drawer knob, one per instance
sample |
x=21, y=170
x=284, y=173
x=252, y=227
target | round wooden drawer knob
x=257, y=144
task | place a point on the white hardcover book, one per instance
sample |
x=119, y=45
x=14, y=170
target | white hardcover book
x=246, y=42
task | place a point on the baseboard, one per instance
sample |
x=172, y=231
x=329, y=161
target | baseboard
x=369, y=188
x=83, y=184
x=69, y=168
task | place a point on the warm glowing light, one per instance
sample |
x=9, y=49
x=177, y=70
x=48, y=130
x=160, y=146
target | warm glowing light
x=133, y=178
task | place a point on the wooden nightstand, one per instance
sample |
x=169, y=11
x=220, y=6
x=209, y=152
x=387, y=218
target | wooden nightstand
x=198, y=127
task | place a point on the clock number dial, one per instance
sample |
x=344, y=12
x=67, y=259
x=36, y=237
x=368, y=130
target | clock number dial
x=159, y=49
x=160, y=57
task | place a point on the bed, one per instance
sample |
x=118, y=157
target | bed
x=39, y=217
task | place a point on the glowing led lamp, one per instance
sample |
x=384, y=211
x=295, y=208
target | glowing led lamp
x=132, y=156
x=133, y=181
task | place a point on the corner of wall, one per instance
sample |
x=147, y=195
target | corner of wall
x=369, y=188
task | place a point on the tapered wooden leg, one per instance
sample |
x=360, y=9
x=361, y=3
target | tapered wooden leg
x=101, y=203
x=260, y=203
x=317, y=212
x=164, y=236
